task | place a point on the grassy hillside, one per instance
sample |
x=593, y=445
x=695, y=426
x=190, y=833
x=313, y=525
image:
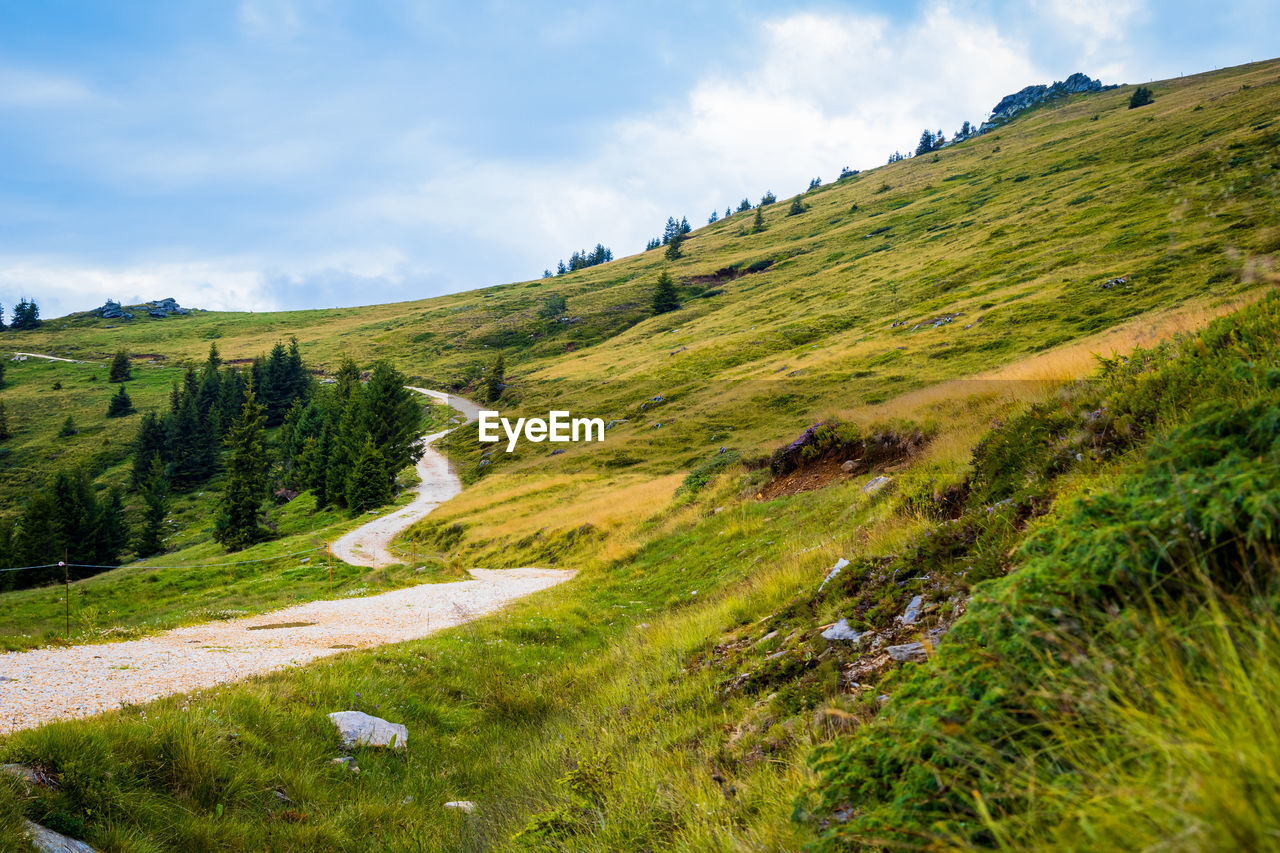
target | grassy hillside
x=679, y=692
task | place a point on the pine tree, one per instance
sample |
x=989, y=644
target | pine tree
x=151, y=441
x=120, y=371
x=728, y=211
x=68, y=428
x=1140, y=98
x=665, y=298
x=768, y=198
x=392, y=417
x=120, y=404
x=1, y=368
x=111, y=534
x=758, y=224
x=4, y=423
x=345, y=447
x=369, y=483
x=797, y=207
x=497, y=380
x=744, y=205
x=26, y=315
x=673, y=248
x=246, y=487
x=155, y=494
x=714, y=217
x=926, y=143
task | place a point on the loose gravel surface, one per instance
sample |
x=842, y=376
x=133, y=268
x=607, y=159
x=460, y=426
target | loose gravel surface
x=43, y=685
x=39, y=686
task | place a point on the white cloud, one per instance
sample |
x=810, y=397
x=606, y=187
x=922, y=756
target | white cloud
x=26, y=88
x=269, y=19
x=830, y=90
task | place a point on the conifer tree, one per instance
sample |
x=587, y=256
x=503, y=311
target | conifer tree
x=4, y=423
x=155, y=495
x=714, y=217
x=120, y=404
x=665, y=298
x=246, y=487
x=1140, y=98
x=68, y=428
x=673, y=248
x=120, y=370
x=112, y=533
x=1, y=367
x=369, y=483
x=149, y=443
x=758, y=224
x=797, y=207
x=392, y=415
x=497, y=380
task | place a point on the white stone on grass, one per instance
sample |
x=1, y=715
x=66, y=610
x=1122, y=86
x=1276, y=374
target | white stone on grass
x=361, y=729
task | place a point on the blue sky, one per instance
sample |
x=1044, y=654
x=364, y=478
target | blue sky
x=278, y=154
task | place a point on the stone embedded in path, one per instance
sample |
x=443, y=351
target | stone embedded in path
x=361, y=729
x=848, y=466
x=47, y=841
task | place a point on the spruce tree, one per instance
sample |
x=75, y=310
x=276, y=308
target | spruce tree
x=1, y=368
x=4, y=423
x=151, y=441
x=68, y=428
x=344, y=447
x=497, y=380
x=155, y=495
x=1140, y=98
x=758, y=224
x=673, y=248
x=120, y=404
x=120, y=370
x=112, y=534
x=369, y=483
x=246, y=487
x=665, y=298
x=797, y=207
x=393, y=416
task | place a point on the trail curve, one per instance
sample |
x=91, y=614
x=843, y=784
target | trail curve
x=367, y=545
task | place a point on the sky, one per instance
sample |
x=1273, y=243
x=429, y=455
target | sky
x=273, y=154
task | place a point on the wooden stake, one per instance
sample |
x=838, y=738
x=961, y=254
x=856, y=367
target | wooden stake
x=66, y=586
x=329, y=554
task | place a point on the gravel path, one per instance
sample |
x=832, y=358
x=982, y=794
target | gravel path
x=43, y=685
x=39, y=686
x=367, y=544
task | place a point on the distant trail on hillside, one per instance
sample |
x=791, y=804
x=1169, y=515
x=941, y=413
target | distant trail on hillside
x=55, y=358
x=367, y=544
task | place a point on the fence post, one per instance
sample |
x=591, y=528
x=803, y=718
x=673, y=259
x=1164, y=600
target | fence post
x=66, y=590
x=329, y=554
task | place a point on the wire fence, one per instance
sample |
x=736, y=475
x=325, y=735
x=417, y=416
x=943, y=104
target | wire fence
x=182, y=566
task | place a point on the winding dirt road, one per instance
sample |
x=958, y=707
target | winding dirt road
x=43, y=685
x=367, y=544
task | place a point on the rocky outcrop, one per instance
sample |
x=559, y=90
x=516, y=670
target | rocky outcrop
x=159, y=309
x=1011, y=105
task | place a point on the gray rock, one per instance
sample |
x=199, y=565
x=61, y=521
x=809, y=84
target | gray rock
x=461, y=805
x=908, y=652
x=1011, y=105
x=848, y=466
x=23, y=772
x=48, y=841
x=835, y=570
x=557, y=451
x=874, y=485
x=361, y=729
x=842, y=631
x=345, y=761
x=912, y=613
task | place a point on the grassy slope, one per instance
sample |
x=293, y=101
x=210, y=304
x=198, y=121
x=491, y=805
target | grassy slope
x=506, y=703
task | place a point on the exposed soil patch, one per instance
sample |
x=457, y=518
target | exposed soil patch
x=819, y=457
x=275, y=625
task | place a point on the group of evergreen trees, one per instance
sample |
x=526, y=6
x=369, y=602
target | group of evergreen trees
x=65, y=521
x=673, y=234
x=601, y=254
x=347, y=442
x=26, y=315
